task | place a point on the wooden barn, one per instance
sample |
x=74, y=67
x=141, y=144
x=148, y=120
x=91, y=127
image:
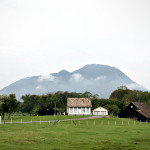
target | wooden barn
x=136, y=110
x=47, y=111
x=79, y=106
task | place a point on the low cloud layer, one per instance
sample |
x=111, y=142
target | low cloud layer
x=46, y=78
x=101, y=78
x=76, y=77
x=38, y=87
x=136, y=86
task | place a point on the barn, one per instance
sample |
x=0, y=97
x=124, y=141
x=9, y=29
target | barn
x=47, y=111
x=137, y=111
x=79, y=106
x=100, y=111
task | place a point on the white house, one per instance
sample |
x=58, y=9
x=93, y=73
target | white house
x=79, y=106
x=100, y=111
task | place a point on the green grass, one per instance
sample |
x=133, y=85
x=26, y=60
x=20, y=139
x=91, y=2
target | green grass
x=95, y=134
x=42, y=118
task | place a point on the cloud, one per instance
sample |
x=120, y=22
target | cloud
x=46, y=78
x=135, y=86
x=77, y=77
x=101, y=78
x=39, y=87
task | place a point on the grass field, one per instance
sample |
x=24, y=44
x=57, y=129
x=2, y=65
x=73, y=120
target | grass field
x=42, y=118
x=95, y=134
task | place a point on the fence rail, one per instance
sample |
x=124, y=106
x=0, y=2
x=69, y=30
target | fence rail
x=82, y=121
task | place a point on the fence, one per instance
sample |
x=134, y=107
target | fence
x=79, y=122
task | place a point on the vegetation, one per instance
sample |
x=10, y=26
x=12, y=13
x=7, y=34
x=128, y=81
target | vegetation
x=8, y=104
x=104, y=133
x=32, y=104
x=96, y=134
x=124, y=96
x=16, y=118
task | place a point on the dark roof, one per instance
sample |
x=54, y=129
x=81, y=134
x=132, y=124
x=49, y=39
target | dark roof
x=79, y=102
x=142, y=109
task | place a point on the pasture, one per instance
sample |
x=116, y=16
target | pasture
x=95, y=134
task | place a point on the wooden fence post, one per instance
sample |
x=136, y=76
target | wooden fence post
x=0, y=120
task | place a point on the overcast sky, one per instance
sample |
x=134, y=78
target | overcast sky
x=39, y=37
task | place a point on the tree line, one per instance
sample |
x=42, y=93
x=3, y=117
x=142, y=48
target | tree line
x=31, y=104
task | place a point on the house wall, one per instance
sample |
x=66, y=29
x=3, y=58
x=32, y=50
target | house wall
x=79, y=110
x=100, y=111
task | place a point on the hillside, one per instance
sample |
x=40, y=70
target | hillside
x=98, y=79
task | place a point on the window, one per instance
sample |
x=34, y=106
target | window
x=79, y=110
x=75, y=109
x=83, y=109
x=87, y=109
x=71, y=109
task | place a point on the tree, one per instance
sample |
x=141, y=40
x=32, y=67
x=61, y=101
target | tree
x=119, y=93
x=32, y=103
x=87, y=94
x=9, y=105
x=3, y=106
x=112, y=109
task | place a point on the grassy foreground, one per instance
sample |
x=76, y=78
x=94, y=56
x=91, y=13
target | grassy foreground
x=95, y=134
x=42, y=118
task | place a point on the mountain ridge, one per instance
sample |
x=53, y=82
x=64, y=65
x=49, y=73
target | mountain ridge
x=95, y=78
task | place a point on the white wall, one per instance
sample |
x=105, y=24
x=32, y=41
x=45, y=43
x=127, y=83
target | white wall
x=79, y=110
x=100, y=111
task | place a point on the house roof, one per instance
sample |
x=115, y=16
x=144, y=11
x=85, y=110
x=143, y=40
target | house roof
x=100, y=108
x=79, y=102
x=142, y=109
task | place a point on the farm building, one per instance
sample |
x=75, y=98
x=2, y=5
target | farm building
x=136, y=110
x=79, y=106
x=100, y=111
x=47, y=111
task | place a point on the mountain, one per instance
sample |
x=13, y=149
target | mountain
x=95, y=78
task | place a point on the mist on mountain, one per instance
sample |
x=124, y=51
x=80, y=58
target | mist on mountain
x=95, y=78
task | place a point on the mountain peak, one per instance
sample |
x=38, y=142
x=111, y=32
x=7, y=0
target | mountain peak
x=64, y=72
x=95, y=78
x=61, y=73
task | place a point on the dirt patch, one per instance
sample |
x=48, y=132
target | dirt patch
x=25, y=141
